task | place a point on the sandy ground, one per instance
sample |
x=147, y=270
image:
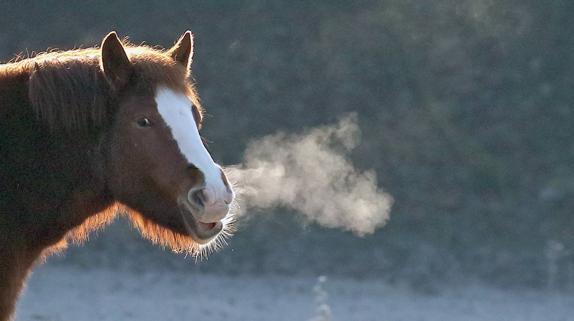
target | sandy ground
x=57, y=293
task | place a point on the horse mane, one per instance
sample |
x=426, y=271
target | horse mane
x=69, y=92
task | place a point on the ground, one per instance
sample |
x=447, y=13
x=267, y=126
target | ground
x=56, y=293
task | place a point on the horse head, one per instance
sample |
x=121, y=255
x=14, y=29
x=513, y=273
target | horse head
x=155, y=160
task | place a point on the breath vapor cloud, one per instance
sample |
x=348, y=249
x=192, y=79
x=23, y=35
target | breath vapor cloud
x=311, y=173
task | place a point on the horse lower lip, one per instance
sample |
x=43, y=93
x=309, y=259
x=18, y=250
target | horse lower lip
x=203, y=231
x=207, y=226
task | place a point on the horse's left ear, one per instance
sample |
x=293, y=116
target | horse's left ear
x=182, y=51
x=115, y=62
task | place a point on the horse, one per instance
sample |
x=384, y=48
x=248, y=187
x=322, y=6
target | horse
x=86, y=134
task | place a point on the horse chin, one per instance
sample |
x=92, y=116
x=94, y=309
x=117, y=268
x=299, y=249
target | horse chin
x=189, y=237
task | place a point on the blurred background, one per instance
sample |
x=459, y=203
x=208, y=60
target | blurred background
x=465, y=109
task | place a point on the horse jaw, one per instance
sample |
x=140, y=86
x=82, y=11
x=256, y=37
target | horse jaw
x=179, y=242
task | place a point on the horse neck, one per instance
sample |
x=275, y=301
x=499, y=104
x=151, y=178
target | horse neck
x=14, y=269
x=54, y=182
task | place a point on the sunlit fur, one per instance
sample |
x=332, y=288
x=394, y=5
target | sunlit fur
x=82, y=232
x=180, y=243
x=157, y=234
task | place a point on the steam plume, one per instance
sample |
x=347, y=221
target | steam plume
x=310, y=172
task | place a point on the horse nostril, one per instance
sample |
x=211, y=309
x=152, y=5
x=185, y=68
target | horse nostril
x=203, y=196
x=197, y=196
x=228, y=197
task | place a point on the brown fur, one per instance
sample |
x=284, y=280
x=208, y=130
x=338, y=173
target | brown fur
x=68, y=92
x=72, y=157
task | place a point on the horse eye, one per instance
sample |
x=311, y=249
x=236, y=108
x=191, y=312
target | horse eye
x=143, y=122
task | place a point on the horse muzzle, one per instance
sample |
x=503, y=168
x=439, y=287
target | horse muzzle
x=205, y=212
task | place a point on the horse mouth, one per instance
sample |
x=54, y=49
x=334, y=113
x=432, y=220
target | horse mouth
x=201, y=232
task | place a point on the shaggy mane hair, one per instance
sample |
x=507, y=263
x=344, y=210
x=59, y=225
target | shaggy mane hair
x=69, y=92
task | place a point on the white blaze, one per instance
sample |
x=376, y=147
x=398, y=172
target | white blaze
x=175, y=109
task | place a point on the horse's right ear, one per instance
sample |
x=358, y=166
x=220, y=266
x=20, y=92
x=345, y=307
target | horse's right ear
x=115, y=62
x=182, y=51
